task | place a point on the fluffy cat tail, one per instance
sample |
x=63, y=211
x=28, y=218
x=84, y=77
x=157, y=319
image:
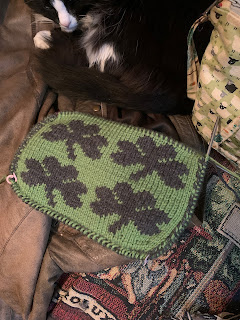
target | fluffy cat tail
x=90, y=84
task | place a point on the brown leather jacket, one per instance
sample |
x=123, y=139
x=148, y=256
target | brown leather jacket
x=34, y=251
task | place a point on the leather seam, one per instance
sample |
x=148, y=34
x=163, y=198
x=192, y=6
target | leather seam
x=29, y=69
x=85, y=253
x=51, y=255
x=14, y=230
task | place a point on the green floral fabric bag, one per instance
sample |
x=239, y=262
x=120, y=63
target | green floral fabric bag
x=216, y=87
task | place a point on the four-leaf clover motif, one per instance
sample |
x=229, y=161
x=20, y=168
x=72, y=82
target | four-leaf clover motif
x=54, y=176
x=137, y=207
x=77, y=132
x=142, y=152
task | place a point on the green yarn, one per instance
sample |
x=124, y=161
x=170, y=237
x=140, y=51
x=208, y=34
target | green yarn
x=132, y=190
x=3, y=179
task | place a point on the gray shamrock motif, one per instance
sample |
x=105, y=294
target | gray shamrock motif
x=137, y=207
x=77, y=132
x=143, y=152
x=55, y=177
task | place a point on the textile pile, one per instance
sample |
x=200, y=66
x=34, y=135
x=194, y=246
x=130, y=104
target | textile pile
x=199, y=273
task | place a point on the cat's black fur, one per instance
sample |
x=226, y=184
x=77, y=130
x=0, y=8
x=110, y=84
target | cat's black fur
x=150, y=37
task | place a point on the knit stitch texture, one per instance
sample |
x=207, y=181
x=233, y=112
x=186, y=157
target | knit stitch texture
x=132, y=190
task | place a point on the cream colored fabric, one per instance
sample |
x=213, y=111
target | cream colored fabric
x=218, y=89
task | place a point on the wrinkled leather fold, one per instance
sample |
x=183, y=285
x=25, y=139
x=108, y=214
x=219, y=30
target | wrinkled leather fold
x=3, y=9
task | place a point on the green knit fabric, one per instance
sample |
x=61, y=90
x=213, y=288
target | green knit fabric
x=132, y=190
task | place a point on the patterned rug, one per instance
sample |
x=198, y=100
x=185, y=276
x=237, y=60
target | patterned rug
x=199, y=273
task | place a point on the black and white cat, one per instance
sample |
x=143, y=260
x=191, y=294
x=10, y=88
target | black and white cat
x=128, y=53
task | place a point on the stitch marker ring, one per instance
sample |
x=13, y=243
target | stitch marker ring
x=11, y=176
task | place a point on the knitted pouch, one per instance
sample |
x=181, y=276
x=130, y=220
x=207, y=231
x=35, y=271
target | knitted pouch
x=130, y=189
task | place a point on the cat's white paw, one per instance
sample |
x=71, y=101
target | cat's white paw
x=41, y=39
